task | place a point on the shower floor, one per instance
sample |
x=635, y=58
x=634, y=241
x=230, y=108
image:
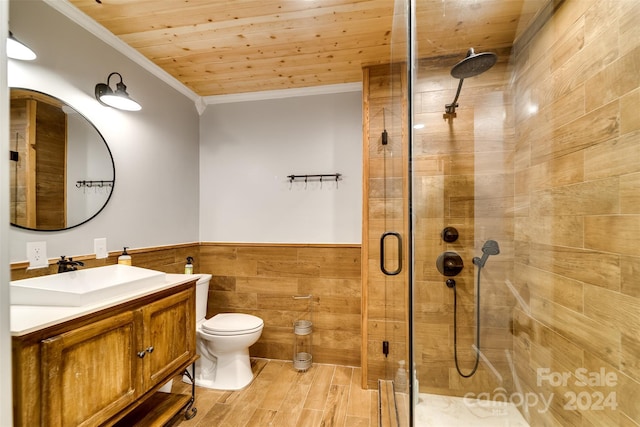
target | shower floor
x=447, y=411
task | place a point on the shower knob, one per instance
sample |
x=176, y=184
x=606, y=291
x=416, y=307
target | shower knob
x=449, y=264
x=449, y=234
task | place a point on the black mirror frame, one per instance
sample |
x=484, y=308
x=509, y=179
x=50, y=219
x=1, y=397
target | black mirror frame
x=113, y=167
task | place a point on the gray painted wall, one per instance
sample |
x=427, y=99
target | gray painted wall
x=247, y=150
x=155, y=199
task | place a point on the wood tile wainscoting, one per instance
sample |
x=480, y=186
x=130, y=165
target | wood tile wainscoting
x=168, y=259
x=261, y=279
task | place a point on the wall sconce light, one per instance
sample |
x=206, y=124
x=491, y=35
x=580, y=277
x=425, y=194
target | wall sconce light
x=18, y=50
x=119, y=99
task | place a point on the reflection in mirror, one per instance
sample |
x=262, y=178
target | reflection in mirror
x=62, y=171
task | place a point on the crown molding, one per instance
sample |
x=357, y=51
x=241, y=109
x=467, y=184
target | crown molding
x=80, y=18
x=283, y=93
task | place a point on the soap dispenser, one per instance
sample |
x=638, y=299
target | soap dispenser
x=125, y=258
x=188, y=268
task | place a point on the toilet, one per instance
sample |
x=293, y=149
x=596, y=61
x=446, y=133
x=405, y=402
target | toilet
x=223, y=342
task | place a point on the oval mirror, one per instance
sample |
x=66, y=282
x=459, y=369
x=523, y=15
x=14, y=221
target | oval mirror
x=62, y=172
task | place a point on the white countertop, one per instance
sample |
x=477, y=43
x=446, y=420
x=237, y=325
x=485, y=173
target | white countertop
x=30, y=318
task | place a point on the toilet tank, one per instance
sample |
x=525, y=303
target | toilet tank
x=202, y=295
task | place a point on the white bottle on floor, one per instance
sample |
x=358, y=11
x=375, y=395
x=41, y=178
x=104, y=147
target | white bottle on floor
x=400, y=382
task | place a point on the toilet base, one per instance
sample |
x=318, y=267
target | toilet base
x=223, y=372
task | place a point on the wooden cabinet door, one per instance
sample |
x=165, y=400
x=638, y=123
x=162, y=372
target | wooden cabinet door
x=91, y=373
x=169, y=335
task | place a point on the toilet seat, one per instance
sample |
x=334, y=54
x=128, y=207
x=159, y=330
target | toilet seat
x=232, y=324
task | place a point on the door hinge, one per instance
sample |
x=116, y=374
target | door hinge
x=385, y=348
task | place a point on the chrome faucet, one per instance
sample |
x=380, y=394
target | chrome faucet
x=65, y=265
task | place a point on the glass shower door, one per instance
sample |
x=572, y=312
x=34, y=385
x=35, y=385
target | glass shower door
x=386, y=224
x=462, y=154
x=537, y=169
x=386, y=243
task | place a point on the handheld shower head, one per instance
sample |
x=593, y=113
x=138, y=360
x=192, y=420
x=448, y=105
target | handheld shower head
x=490, y=247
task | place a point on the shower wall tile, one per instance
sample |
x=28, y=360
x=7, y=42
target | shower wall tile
x=594, y=127
x=627, y=393
x=568, y=44
x=550, y=286
x=615, y=80
x=593, y=197
x=392, y=187
x=629, y=361
x=613, y=158
x=629, y=117
x=629, y=30
x=580, y=278
x=562, y=171
x=630, y=275
x=629, y=194
x=585, y=332
x=613, y=233
x=538, y=229
x=613, y=309
x=601, y=269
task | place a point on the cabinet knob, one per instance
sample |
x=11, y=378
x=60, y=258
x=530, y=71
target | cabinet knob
x=150, y=349
x=141, y=354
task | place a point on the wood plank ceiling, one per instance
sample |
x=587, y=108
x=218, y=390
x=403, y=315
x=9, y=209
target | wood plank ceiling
x=217, y=47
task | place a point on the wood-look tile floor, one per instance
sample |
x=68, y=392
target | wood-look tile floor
x=279, y=396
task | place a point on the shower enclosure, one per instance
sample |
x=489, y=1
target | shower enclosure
x=534, y=168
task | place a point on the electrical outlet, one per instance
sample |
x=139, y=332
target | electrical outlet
x=37, y=254
x=100, y=247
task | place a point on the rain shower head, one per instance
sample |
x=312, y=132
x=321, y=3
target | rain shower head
x=472, y=65
x=490, y=247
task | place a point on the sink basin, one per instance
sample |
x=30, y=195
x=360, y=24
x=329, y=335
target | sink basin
x=83, y=287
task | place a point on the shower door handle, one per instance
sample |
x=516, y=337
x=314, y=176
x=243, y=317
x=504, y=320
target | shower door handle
x=382, y=257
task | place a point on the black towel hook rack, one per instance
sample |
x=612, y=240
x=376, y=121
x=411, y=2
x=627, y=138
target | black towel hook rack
x=94, y=183
x=320, y=177
x=336, y=176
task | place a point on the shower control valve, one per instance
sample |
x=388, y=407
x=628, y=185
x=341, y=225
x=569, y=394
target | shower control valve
x=449, y=264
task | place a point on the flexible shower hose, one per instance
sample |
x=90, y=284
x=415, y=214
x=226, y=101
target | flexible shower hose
x=455, y=329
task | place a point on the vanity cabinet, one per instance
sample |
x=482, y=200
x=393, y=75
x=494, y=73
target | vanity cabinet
x=165, y=343
x=96, y=369
x=90, y=373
